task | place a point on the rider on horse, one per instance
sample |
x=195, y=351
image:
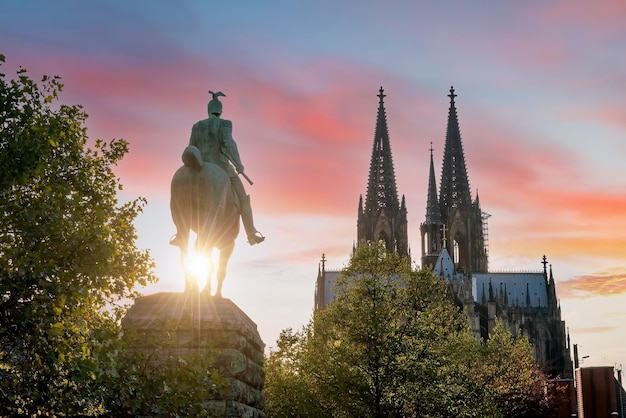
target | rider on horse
x=213, y=137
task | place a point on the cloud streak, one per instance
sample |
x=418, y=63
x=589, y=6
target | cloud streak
x=601, y=284
x=592, y=330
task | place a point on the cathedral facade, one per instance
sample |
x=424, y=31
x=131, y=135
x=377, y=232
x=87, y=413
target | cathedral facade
x=453, y=239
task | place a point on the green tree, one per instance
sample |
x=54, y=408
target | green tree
x=391, y=344
x=68, y=257
x=514, y=381
x=291, y=385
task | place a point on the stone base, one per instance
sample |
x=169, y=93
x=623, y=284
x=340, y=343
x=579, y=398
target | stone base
x=198, y=323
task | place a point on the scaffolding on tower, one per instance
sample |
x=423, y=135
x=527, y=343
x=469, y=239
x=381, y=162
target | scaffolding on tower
x=485, y=216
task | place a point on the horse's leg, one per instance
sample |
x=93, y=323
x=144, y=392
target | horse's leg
x=191, y=284
x=191, y=281
x=225, y=253
x=209, y=276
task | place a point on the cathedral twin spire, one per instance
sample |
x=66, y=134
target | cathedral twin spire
x=454, y=211
x=453, y=239
x=382, y=217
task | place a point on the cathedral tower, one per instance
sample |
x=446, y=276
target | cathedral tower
x=454, y=221
x=432, y=229
x=383, y=217
x=462, y=217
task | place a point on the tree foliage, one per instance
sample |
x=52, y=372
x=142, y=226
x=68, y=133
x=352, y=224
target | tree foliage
x=513, y=381
x=392, y=344
x=68, y=257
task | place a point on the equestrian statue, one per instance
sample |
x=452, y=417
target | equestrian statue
x=208, y=197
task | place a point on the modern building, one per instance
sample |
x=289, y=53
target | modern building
x=599, y=393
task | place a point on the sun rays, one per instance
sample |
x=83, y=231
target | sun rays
x=198, y=266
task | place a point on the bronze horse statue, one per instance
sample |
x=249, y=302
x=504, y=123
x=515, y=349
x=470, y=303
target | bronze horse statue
x=203, y=201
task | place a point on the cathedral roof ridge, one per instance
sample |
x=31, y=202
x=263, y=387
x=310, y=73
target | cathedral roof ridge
x=513, y=271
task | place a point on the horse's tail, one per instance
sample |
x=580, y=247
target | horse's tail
x=192, y=157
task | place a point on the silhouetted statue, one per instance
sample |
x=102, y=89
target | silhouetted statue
x=203, y=201
x=207, y=196
x=213, y=137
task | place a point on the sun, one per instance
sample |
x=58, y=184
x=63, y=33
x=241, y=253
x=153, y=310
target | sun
x=198, y=265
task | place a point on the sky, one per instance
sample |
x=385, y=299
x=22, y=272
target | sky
x=541, y=107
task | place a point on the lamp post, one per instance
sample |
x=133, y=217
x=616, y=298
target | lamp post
x=620, y=389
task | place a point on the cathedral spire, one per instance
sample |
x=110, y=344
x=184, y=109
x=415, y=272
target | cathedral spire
x=382, y=217
x=381, y=189
x=432, y=230
x=433, y=213
x=455, y=189
x=459, y=213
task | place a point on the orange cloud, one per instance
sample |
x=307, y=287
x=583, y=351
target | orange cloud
x=592, y=206
x=600, y=284
x=562, y=244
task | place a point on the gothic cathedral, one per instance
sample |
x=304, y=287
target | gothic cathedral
x=454, y=244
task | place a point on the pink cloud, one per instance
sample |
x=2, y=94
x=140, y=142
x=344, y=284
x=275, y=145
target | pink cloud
x=557, y=210
x=557, y=36
x=615, y=116
x=510, y=170
x=299, y=148
x=602, y=16
x=297, y=144
x=605, y=113
x=544, y=183
x=300, y=157
x=563, y=223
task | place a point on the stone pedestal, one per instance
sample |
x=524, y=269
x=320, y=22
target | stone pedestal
x=196, y=323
